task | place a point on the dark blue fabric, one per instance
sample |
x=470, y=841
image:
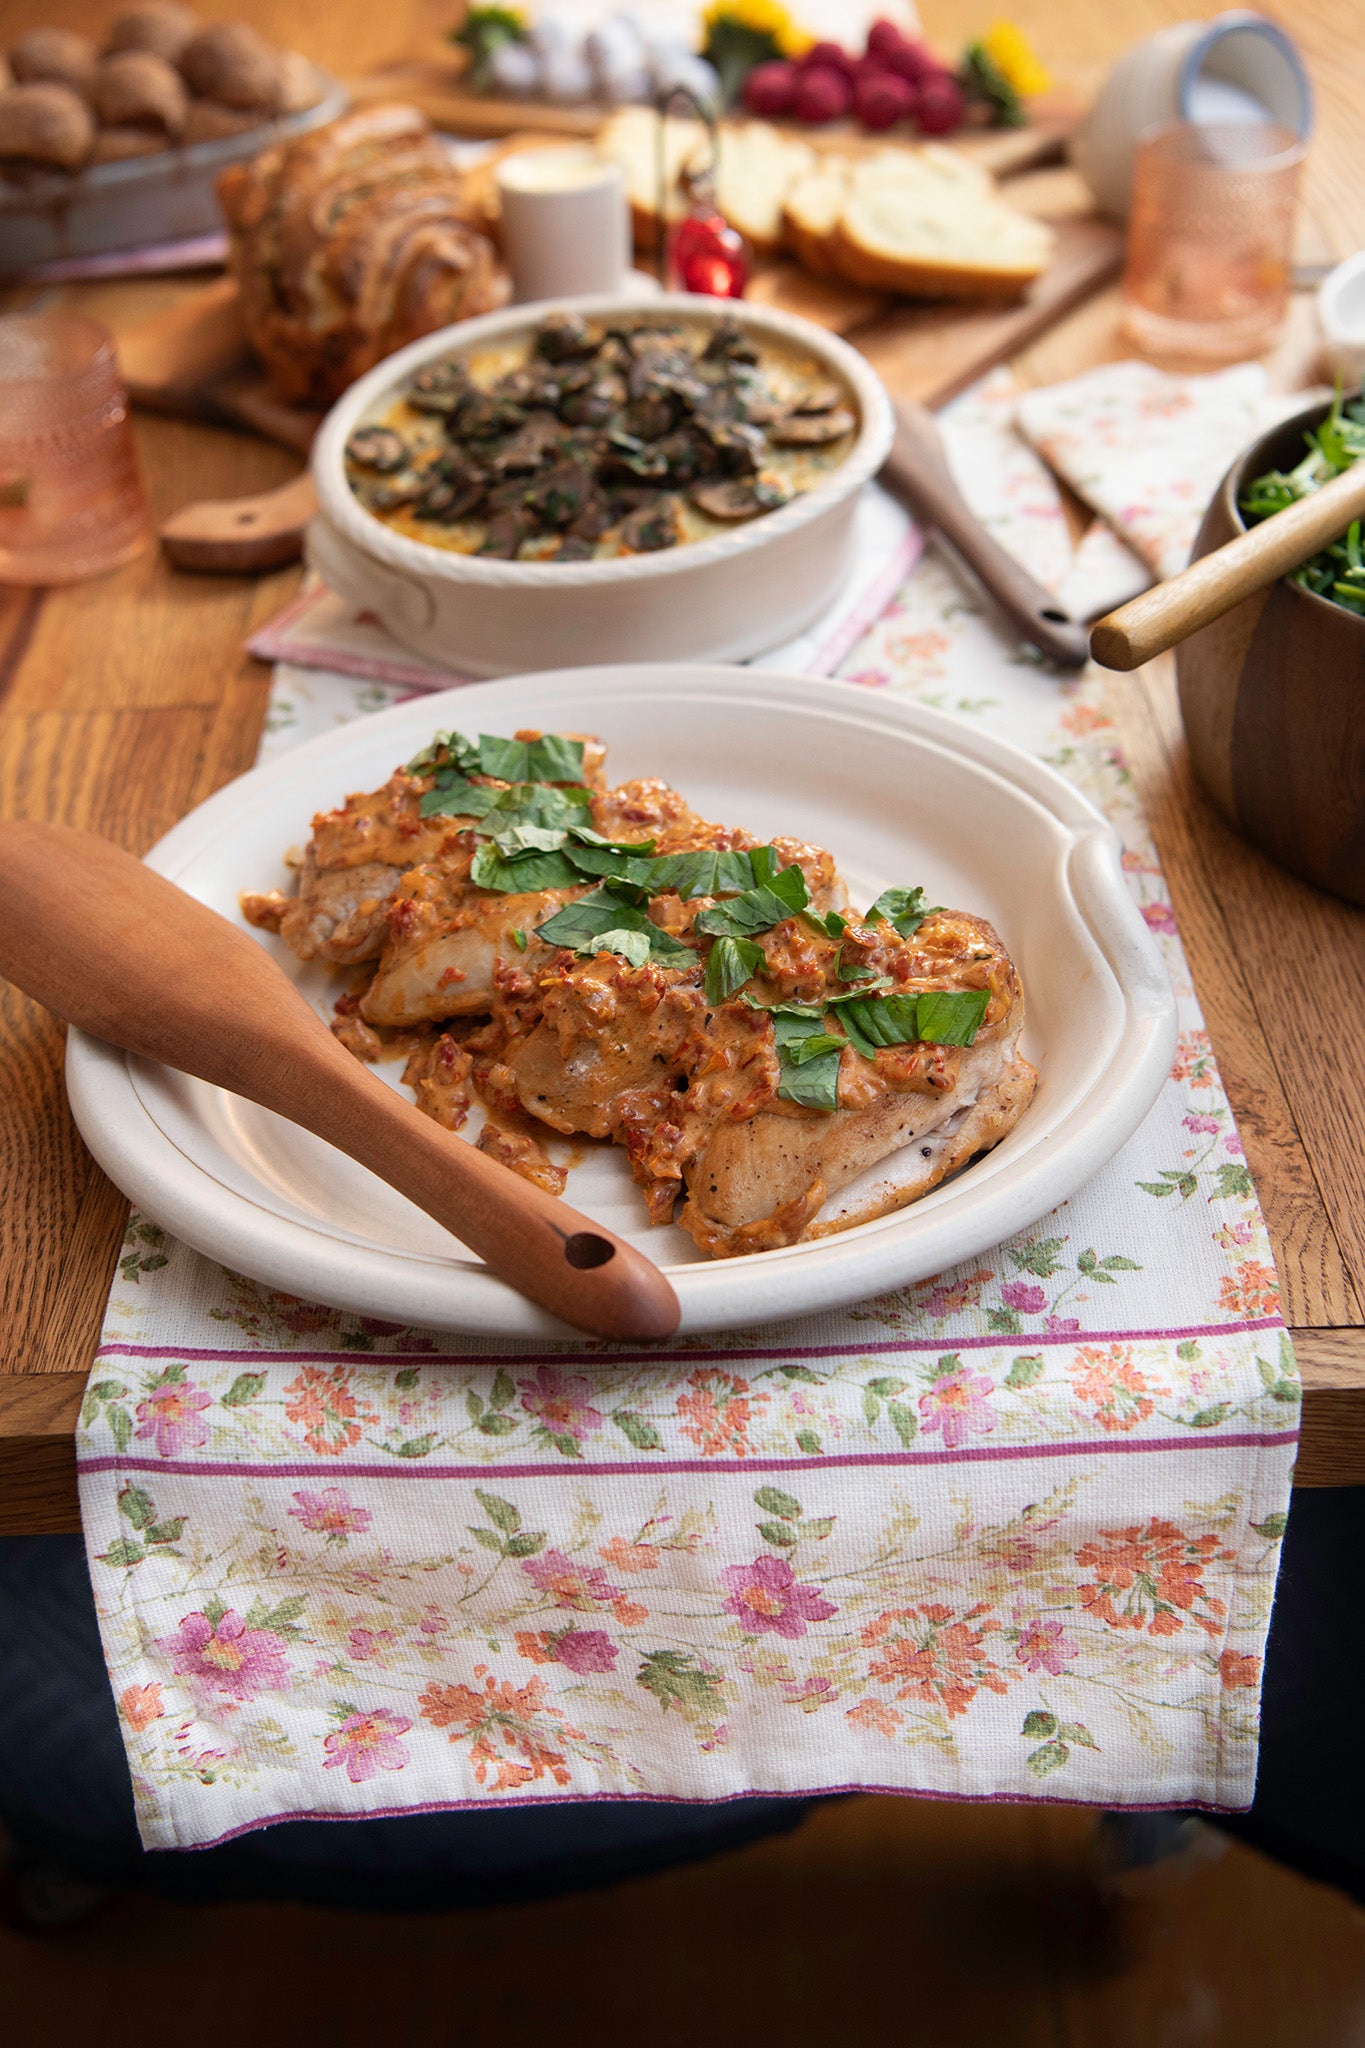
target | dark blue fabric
x=1309, y=1809
x=64, y=1792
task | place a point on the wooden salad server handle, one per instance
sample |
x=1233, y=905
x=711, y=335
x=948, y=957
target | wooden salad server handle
x=238, y=535
x=127, y=956
x=917, y=471
x=1146, y=626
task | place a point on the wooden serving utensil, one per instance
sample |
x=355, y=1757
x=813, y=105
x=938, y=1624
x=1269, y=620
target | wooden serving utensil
x=1146, y=626
x=917, y=470
x=239, y=535
x=126, y=955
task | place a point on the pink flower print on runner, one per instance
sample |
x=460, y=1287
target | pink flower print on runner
x=219, y=1653
x=582, y=1650
x=1045, y=1646
x=958, y=1403
x=569, y=1584
x=172, y=1414
x=365, y=1743
x=562, y=1408
x=330, y=1514
x=767, y=1598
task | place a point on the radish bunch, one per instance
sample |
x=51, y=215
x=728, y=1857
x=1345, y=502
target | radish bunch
x=895, y=80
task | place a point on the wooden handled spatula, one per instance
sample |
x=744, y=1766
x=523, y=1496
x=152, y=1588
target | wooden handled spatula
x=130, y=958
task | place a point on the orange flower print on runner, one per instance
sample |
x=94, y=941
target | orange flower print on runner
x=715, y=1413
x=937, y=1657
x=1106, y=1377
x=1252, y=1292
x=1194, y=1060
x=501, y=1714
x=335, y=1416
x=1239, y=1671
x=1153, y=1578
x=875, y=1714
x=628, y=1557
x=140, y=1705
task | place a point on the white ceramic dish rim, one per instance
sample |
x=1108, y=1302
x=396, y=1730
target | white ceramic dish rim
x=966, y=1216
x=400, y=551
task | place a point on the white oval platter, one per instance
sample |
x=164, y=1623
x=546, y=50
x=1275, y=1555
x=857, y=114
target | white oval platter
x=898, y=793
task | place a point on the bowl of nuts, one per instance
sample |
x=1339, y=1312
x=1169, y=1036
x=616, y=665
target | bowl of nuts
x=600, y=480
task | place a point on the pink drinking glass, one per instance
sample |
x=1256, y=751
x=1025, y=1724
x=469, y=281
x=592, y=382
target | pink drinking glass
x=1211, y=238
x=71, y=499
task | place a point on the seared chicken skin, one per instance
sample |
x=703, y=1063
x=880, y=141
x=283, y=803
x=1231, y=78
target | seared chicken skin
x=752, y=1105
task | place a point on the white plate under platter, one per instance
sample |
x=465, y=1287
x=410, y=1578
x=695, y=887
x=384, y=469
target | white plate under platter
x=899, y=794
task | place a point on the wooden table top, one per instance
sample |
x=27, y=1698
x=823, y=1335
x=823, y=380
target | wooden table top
x=125, y=701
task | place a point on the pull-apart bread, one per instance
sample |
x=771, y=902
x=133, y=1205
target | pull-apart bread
x=603, y=963
x=350, y=241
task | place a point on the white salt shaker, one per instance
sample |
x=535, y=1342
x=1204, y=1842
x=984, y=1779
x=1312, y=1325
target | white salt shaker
x=565, y=222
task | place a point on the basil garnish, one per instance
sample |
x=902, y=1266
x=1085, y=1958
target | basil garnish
x=729, y=965
x=522, y=872
x=931, y=1017
x=807, y=1056
x=551, y=758
x=904, y=910
x=607, y=913
x=705, y=873
x=758, y=909
x=461, y=754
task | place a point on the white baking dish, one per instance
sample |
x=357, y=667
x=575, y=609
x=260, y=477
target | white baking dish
x=723, y=598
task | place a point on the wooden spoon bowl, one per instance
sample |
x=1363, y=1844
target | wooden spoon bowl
x=1273, y=699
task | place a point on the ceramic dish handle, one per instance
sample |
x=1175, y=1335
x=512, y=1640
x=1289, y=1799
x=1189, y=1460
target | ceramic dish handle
x=400, y=601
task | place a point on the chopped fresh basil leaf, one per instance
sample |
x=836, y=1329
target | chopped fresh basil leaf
x=808, y=1058
x=518, y=938
x=605, y=913
x=904, y=910
x=952, y=1016
x=511, y=839
x=634, y=945
x=866, y=977
x=630, y=870
x=708, y=872
x=829, y=924
x=523, y=872
x=881, y=1020
x=729, y=965
x=765, y=862
x=585, y=833
x=758, y=909
x=811, y=1048
x=454, y=797
x=454, y=745
x=551, y=758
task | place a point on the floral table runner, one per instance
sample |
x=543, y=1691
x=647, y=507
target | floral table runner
x=1008, y=1533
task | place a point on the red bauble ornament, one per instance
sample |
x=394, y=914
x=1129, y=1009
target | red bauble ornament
x=708, y=256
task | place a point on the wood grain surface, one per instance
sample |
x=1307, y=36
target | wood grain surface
x=125, y=701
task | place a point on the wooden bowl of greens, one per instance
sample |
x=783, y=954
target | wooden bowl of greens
x=1273, y=693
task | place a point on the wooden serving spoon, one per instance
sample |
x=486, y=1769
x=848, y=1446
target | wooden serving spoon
x=1146, y=626
x=917, y=470
x=240, y=535
x=132, y=959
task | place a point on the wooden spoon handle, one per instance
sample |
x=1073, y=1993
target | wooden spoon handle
x=1148, y=625
x=917, y=470
x=236, y=536
x=132, y=959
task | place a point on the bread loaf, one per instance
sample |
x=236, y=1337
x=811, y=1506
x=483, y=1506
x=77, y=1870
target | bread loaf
x=348, y=242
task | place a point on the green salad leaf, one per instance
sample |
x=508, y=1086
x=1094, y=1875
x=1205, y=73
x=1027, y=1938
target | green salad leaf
x=1336, y=572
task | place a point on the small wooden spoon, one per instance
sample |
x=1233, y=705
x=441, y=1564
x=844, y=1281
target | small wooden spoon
x=1146, y=626
x=917, y=470
x=132, y=959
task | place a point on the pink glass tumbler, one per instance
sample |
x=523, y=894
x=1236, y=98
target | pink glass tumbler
x=1211, y=238
x=71, y=499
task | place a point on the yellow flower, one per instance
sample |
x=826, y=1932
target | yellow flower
x=764, y=17
x=1012, y=54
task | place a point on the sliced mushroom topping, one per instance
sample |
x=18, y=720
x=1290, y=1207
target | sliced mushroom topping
x=563, y=336
x=811, y=430
x=651, y=528
x=377, y=448
x=404, y=489
x=741, y=497
x=820, y=398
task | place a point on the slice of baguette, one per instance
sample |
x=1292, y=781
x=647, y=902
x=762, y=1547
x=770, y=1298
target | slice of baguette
x=810, y=214
x=936, y=238
x=758, y=166
x=631, y=138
